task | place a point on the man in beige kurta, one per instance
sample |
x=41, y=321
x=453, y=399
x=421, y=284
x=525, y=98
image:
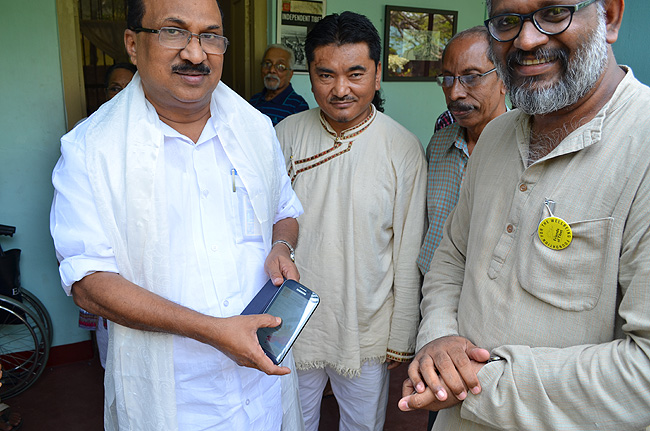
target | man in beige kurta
x=545, y=262
x=361, y=178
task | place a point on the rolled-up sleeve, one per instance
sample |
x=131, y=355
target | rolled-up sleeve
x=81, y=245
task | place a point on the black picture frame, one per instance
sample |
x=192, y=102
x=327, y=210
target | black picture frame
x=413, y=42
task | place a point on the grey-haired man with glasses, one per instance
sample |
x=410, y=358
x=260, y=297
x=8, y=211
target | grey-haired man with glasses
x=475, y=96
x=278, y=100
x=172, y=209
x=535, y=307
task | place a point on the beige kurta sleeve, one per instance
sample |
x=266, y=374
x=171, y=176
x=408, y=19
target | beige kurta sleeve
x=409, y=216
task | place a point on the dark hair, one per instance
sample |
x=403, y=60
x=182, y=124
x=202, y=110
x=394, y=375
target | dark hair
x=346, y=28
x=135, y=13
x=110, y=70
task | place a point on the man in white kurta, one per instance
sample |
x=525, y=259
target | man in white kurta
x=165, y=225
x=361, y=178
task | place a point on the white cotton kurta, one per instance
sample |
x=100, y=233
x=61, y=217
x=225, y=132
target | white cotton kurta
x=217, y=252
x=364, y=201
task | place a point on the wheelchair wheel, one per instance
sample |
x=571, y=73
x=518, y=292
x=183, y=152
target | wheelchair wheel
x=24, y=347
x=31, y=301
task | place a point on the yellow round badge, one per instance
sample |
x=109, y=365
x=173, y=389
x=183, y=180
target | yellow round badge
x=555, y=233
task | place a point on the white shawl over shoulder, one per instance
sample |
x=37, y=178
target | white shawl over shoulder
x=126, y=168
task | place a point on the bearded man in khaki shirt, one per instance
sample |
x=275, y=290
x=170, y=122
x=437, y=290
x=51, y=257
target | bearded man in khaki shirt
x=536, y=308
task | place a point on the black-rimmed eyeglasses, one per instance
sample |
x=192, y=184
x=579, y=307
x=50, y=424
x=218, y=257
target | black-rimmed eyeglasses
x=468, y=81
x=550, y=20
x=178, y=38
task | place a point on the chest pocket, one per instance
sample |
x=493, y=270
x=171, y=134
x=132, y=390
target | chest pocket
x=247, y=225
x=572, y=278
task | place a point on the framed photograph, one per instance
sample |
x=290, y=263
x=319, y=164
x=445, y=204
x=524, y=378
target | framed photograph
x=413, y=42
x=295, y=19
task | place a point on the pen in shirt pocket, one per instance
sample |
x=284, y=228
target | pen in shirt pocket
x=233, y=173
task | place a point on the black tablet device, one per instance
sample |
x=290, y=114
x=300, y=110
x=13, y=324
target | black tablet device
x=294, y=304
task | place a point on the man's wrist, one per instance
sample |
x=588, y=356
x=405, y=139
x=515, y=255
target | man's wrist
x=292, y=253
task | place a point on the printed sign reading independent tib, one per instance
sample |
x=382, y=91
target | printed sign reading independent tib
x=295, y=19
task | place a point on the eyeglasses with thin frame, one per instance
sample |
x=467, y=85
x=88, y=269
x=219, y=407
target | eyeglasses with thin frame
x=178, y=38
x=549, y=20
x=467, y=81
x=267, y=65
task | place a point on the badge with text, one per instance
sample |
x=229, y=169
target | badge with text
x=554, y=232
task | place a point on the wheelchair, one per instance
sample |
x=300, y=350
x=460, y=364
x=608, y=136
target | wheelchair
x=25, y=327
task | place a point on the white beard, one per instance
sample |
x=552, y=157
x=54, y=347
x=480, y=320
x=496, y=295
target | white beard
x=272, y=82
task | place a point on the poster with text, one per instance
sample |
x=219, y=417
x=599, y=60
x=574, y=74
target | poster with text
x=295, y=19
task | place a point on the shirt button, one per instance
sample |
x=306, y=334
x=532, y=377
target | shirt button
x=226, y=303
x=510, y=228
x=205, y=193
x=214, y=248
x=523, y=187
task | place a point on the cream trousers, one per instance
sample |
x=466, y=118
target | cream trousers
x=362, y=400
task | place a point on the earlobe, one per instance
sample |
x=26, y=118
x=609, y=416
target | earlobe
x=129, y=44
x=378, y=77
x=613, y=16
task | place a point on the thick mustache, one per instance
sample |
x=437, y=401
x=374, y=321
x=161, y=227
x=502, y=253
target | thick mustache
x=199, y=69
x=519, y=56
x=459, y=106
x=272, y=76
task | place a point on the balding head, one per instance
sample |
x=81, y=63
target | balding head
x=476, y=32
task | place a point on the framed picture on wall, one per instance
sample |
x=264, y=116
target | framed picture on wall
x=295, y=19
x=413, y=42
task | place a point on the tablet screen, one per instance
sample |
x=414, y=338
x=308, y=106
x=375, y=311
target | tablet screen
x=294, y=304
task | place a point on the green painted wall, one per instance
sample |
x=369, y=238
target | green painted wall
x=631, y=48
x=415, y=105
x=31, y=124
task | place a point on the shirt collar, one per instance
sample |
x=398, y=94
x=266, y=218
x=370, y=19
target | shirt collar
x=458, y=137
x=281, y=97
x=587, y=134
x=352, y=131
x=209, y=131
